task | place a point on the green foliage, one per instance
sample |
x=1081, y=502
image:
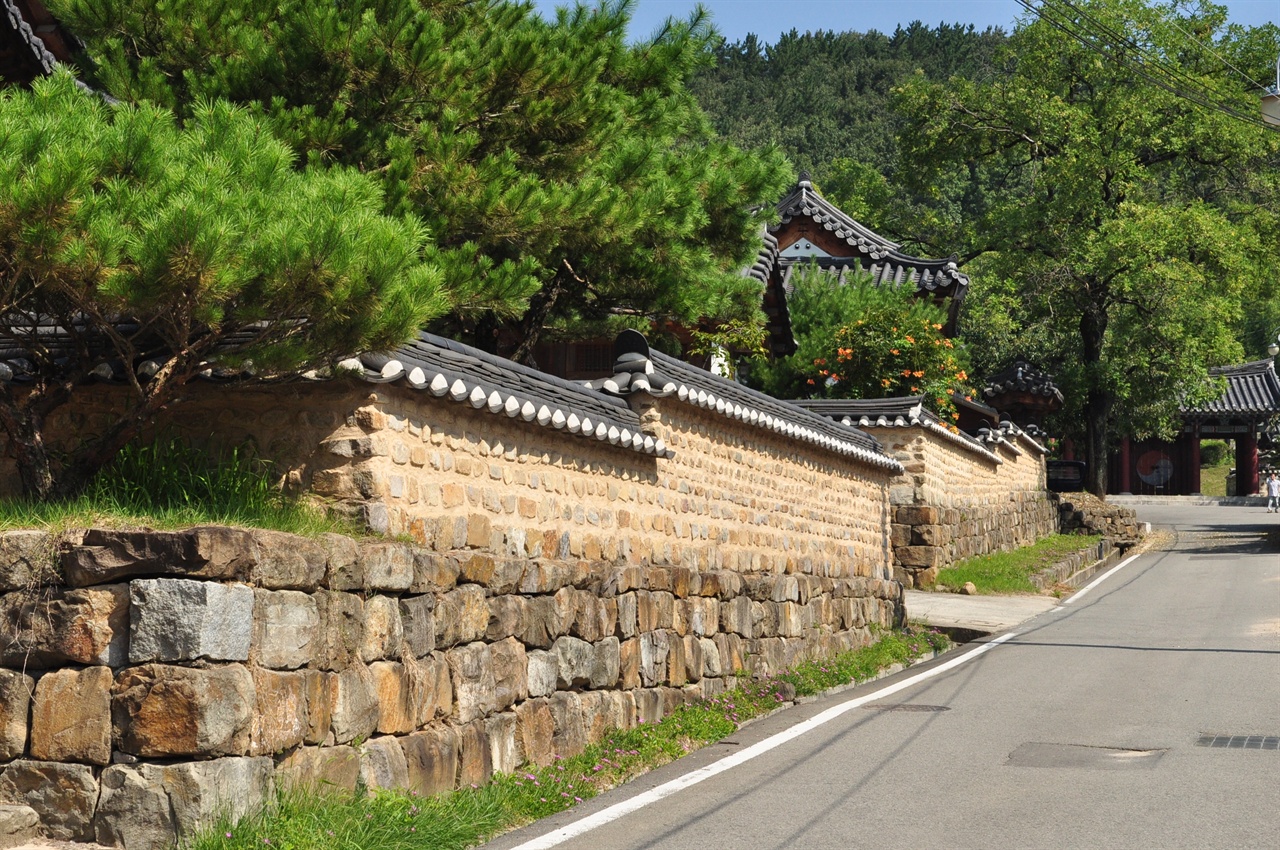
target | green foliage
x=1215, y=453
x=189, y=244
x=396, y=820
x=170, y=483
x=815, y=676
x=1120, y=224
x=860, y=340
x=1010, y=572
x=825, y=99
x=562, y=173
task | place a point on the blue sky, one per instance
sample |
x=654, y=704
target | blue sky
x=769, y=18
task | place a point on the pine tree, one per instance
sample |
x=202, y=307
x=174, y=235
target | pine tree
x=566, y=178
x=135, y=248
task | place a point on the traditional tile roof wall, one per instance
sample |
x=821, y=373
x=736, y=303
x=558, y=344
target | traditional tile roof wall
x=902, y=412
x=1252, y=390
x=446, y=368
x=1022, y=377
x=640, y=370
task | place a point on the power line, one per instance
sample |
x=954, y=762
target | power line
x=1150, y=68
x=1219, y=57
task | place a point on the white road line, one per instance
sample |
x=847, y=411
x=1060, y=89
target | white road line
x=617, y=810
x=1088, y=587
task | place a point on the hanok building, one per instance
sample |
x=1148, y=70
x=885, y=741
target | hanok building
x=1247, y=412
x=813, y=235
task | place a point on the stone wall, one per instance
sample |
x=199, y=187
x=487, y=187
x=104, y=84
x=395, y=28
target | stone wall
x=956, y=500
x=557, y=587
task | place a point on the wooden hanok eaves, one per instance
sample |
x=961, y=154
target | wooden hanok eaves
x=812, y=232
x=32, y=42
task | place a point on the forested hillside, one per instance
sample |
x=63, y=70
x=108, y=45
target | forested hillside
x=826, y=99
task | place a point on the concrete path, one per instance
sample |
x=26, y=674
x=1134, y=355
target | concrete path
x=990, y=614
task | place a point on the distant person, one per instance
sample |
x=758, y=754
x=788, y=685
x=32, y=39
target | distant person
x=1273, y=494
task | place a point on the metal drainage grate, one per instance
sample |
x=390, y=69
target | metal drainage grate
x=905, y=706
x=1240, y=742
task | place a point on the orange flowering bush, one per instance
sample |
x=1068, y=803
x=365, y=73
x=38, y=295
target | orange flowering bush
x=894, y=346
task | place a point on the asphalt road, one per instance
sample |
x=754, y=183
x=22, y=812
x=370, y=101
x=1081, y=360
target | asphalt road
x=1079, y=731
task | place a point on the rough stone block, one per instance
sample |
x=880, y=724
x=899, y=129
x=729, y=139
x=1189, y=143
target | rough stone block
x=899, y=535
x=71, y=717
x=570, y=725
x=49, y=627
x=433, y=573
x=535, y=731
x=474, y=687
x=355, y=710
x=153, y=806
x=510, y=673
x=288, y=561
x=627, y=625
x=932, y=535
x=395, y=709
x=161, y=711
x=182, y=620
x=475, y=756
x=342, y=563
x=431, y=758
x=18, y=825
x=430, y=688
x=26, y=560
x=63, y=795
x=575, y=662
x=915, y=557
x=383, y=765
x=543, y=669
x=417, y=618
x=504, y=746
x=605, y=663
x=506, y=617
x=655, y=647
x=341, y=630
x=321, y=769
x=321, y=690
x=210, y=552
x=286, y=627
x=479, y=531
x=383, y=630
x=461, y=616
x=281, y=714
x=16, y=690
x=916, y=515
x=387, y=566
x=540, y=623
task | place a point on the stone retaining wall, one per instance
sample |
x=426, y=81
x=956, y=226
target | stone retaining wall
x=152, y=678
x=954, y=502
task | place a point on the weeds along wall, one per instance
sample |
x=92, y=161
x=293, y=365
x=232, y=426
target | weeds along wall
x=958, y=498
x=541, y=589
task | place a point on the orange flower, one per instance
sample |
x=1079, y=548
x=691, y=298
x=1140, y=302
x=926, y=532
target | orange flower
x=919, y=374
x=911, y=339
x=915, y=389
x=893, y=351
x=906, y=373
x=937, y=327
x=810, y=382
x=885, y=382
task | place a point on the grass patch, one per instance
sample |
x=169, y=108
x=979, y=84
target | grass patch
x=396, y=820
x=1010, y=572
x=173, y=484
x=1213, y=480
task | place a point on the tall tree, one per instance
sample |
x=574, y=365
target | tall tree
x=135, y=249
x=565, y=176
x=1121, y=216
